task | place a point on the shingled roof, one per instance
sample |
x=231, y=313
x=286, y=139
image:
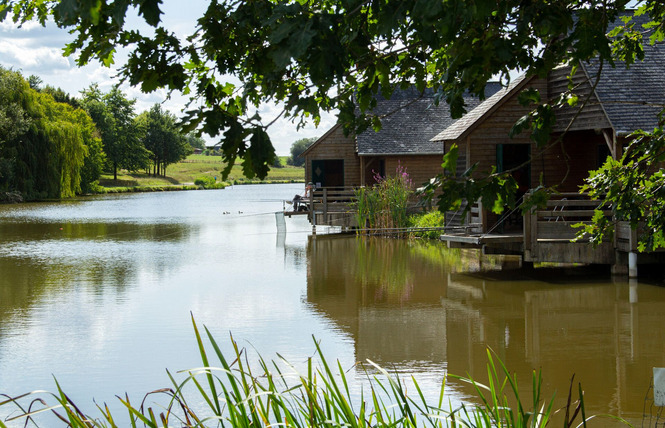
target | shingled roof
x=632, y=96
x=411, y=124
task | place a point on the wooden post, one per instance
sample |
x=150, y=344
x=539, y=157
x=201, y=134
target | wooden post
x=482, y=217
x=534, y=233
x=325, y=205
x=526, y=224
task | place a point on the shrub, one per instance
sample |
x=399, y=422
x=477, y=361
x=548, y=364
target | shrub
x=207, y=182
x=430, y=223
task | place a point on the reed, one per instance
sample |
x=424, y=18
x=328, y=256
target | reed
x=236, y=393
x=384, y=205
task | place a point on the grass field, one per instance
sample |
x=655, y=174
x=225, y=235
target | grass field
x=197, y=166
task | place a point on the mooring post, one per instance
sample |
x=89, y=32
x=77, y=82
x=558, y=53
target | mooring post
x=632, y=264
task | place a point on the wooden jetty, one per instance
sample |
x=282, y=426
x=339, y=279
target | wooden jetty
x=328, y=206
x=550, y=235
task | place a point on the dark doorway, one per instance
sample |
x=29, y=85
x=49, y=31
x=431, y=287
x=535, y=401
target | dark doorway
x=510, y=156
x=515, y=157
x=328, y=172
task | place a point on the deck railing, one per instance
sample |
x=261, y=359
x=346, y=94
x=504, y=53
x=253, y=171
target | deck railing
x=331, y=201
x=555, y=222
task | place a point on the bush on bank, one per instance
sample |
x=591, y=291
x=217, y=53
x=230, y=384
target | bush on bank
x=428, y=225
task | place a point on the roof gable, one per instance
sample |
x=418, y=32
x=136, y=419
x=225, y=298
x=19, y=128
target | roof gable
x=476, y=116
x=320, y=139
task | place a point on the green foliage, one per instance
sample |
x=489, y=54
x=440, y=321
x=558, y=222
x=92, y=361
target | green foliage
x=494, y=190
x=235, y=392
x=433, y=223
x=314, y=57
x=162, y=138
x=384, y=205
x=634, y=188
x=121, y=136
x=208, y=182
x=48, y=149
x=297, y=148
x=61, y=96
x=195, y=141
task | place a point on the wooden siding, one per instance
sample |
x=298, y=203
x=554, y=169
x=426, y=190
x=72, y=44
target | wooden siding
x=421, y=168
x=495, y=129
x=591, y=117
x=336, y=146
x=582, y=149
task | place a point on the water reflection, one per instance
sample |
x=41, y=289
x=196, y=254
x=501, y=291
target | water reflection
x=387, y=294
x=421, y=308
x=41, y=260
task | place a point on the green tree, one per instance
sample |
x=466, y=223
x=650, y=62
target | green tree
x=297, y=148
x=35, y=82
x=44, y=144
x=61, y=96
x=195, y=141
x=162, y=138
x=14, y=122
x=113, y=113
x=315, y=56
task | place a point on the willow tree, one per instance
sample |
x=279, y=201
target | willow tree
x=44, y=144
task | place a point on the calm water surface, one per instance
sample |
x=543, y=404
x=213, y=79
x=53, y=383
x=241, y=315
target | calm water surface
x=98, y=293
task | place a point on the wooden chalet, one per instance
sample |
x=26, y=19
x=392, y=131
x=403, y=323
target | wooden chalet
x=336, y=163
x=624, y=100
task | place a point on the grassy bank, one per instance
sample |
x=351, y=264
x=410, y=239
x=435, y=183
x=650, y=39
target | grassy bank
x=184, y=174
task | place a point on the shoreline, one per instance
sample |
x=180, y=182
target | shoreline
x=8, y=198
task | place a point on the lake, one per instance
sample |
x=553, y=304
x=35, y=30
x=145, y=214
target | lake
x=98, y=292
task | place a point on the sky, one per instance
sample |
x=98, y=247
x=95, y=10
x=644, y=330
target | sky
x=36, y=50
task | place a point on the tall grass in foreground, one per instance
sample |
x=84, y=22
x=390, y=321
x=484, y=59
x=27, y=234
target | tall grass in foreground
x=237, y=396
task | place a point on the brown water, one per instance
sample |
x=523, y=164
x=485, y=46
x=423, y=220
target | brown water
x=98, y=293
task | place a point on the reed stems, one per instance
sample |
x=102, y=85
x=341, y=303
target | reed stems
x=236, y=393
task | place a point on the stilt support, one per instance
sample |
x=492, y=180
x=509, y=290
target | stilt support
x=620, y=266
x=632, y=264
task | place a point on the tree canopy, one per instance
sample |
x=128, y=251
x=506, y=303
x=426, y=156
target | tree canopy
x=114, y=116
x=313, y=56
x=297, y=148
x=47, y=149
x=162, y=138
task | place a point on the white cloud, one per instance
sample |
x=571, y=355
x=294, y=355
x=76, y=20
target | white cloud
x=18, y=54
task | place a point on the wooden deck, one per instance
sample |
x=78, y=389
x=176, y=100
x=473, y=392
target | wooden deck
x=476, y=240
x=551, y=235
